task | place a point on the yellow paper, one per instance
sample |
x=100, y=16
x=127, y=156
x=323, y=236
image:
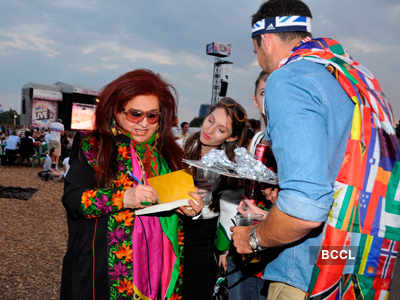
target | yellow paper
x=173, y=186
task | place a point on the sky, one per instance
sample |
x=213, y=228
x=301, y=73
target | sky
x=90, y=43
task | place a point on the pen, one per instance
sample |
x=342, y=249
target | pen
x=233, y=221
x=134, y=177
x=139, y=182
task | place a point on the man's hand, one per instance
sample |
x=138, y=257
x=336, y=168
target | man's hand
x=276, y=230
x=240, y=238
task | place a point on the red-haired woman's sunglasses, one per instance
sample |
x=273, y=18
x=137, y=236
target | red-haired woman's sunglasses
x=137, y=116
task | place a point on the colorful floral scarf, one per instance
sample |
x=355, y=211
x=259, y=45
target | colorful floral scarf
x=365, y=213
x=150, y=263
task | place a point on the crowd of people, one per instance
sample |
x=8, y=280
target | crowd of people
x=326, y=130
x=49, y=148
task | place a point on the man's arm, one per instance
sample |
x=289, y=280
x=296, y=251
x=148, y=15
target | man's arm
x=280, y=229
x=277, y=229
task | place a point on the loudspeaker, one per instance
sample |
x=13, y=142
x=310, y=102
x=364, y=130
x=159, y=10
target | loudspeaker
x=224, y=88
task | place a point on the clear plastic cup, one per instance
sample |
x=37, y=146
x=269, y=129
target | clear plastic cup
x=248, y=219
x=205, y=180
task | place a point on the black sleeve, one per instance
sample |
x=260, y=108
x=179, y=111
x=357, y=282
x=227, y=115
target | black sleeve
x=80, y=178
x=81, y=195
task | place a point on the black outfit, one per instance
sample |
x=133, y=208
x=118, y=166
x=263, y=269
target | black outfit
x=26, y=149
x=199, y=258
x=65, y=152
x=84, y=263
x=11, y=156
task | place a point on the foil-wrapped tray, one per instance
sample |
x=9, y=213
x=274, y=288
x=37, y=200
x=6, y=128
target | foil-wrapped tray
x=219, y=170
x=230, y=172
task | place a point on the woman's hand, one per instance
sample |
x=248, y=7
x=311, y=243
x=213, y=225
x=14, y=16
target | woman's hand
x=140, y=196
x=246, y=206
x=195, y=206
x=223, y=261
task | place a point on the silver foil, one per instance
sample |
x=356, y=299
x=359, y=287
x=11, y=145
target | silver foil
x=249, y=167
x=218, y=159
x=245, y=165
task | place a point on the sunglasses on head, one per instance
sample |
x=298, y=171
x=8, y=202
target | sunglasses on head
x=240, y=116
x=137, y=116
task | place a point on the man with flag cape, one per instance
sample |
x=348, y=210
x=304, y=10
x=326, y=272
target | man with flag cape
x=332, y=133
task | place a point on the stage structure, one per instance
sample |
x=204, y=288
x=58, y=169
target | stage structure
x=219, y=84
x=42, y=104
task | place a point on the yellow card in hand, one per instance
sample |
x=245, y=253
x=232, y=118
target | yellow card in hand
x=173, y=186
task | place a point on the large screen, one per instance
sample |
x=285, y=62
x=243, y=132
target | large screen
x=43, y=113
x=82, y=116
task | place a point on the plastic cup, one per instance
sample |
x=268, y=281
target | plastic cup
x=248, y=219
x=205, y=180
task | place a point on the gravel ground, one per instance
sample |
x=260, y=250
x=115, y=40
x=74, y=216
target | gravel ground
x=33, y=237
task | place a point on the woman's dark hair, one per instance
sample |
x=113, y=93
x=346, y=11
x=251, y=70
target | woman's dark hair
x=276, y=8
x=261, y=77
x=112, y=101
x=254, y=124
x=192, y=148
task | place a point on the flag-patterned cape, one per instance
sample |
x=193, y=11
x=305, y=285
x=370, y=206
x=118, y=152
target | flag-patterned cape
x=364, y=219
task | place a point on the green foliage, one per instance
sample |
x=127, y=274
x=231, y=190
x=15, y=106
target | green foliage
x=7, y=117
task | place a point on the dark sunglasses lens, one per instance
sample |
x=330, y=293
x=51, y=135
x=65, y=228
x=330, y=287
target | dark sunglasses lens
x=134, y=115
x=152, y=117
x=137, y=116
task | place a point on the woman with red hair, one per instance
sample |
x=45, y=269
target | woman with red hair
x=113, y=254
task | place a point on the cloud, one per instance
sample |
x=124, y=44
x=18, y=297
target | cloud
x=27, y=38
x=95, y=41
x=111, y=66
x=194, y=61
x=111, y=55
x=9, y=100
x=368, y=47
x=74, y=4
x=395, y=11
x=89, y=69
x=202, y=76
x=132, y=55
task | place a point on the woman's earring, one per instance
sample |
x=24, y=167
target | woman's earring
x=113, y=127
x=156, y=139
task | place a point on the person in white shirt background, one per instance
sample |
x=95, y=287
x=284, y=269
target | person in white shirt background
x=50, y=167
x=182, y=137
x=11, y=148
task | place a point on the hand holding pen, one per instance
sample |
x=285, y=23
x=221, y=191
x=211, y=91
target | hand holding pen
x=139, y=196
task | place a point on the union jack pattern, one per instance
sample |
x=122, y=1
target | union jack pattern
x=366, y=207
x=292, y=21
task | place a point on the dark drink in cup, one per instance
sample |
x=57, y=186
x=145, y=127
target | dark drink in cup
x=202, y=180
